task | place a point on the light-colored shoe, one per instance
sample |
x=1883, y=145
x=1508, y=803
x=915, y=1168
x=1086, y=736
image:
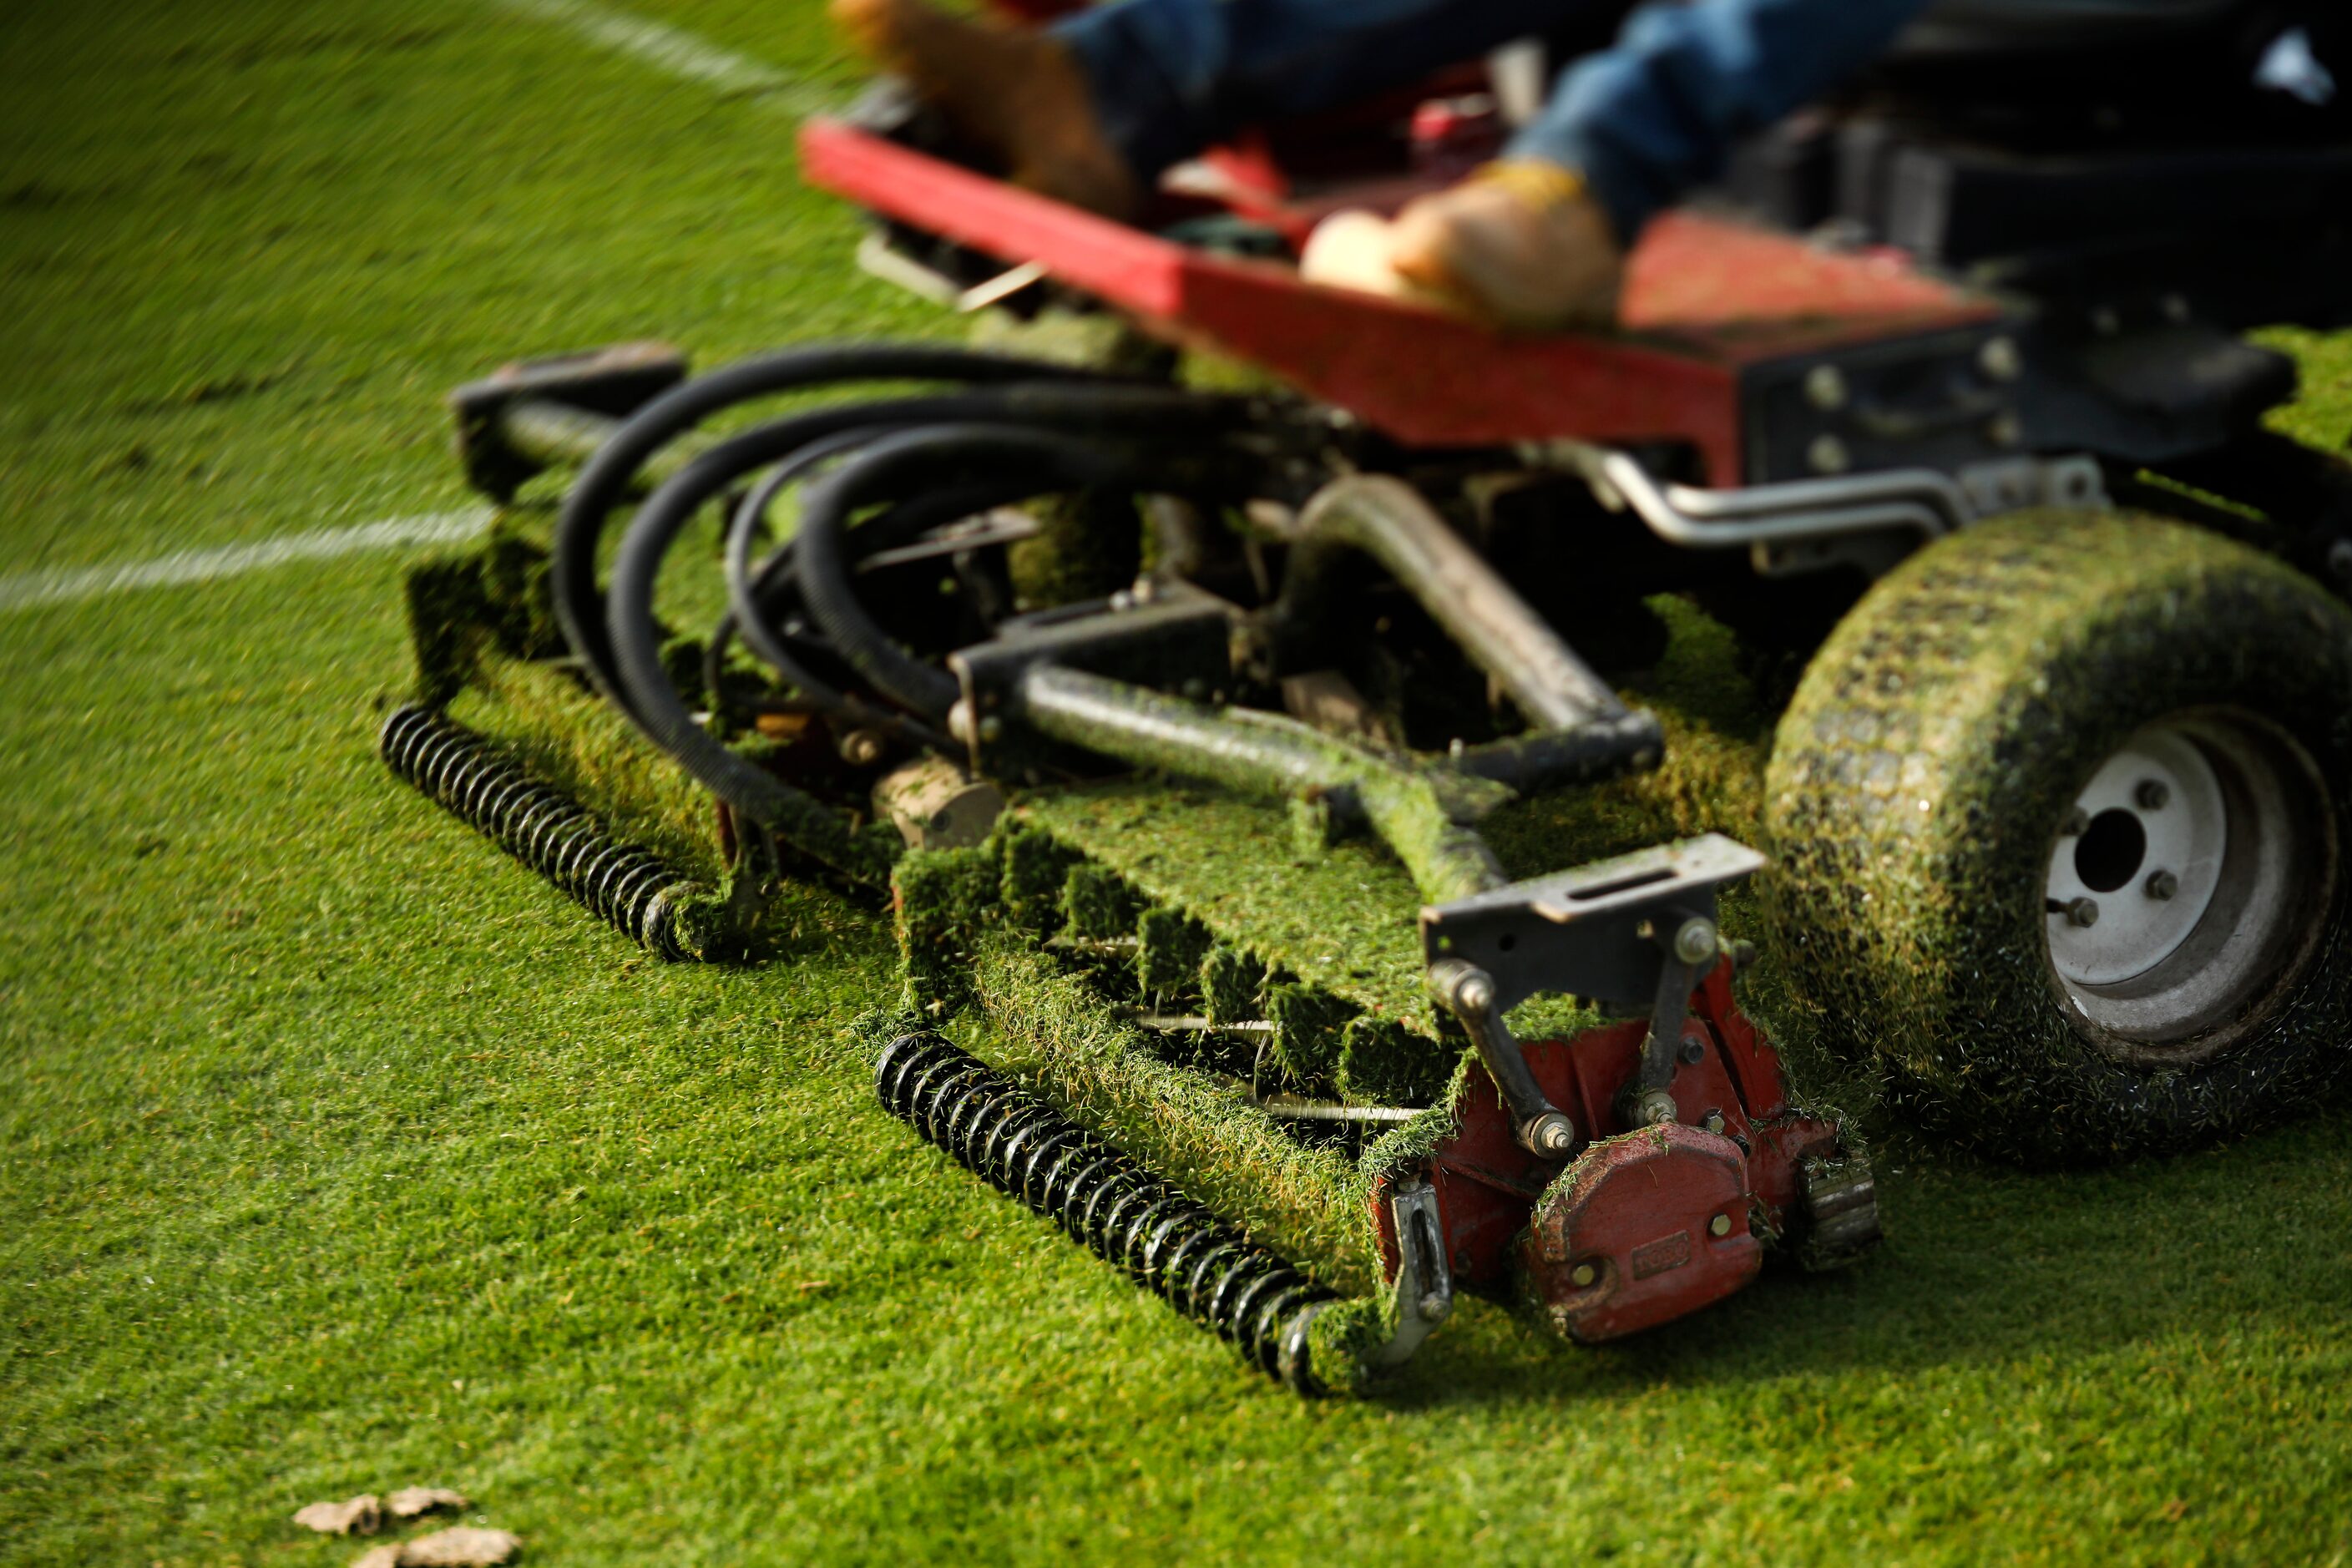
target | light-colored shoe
x=1520, y=245
x=1017, y=92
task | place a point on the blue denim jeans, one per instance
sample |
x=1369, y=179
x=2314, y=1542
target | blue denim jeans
x=1643, y=121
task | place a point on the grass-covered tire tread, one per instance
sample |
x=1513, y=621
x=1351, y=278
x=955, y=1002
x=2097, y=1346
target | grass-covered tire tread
x=1911, y=797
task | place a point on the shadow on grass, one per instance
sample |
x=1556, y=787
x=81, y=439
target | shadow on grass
x=1982, y=1267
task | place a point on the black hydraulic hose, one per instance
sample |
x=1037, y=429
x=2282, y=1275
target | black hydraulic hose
x=744, y=609
x=642, y=688
x=603, y=482
x=652, y=701
x=780, y=440
x=1047, y=460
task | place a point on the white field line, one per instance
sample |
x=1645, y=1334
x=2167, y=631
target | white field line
x=670, y=50
x=27, y=590
x=676, y=52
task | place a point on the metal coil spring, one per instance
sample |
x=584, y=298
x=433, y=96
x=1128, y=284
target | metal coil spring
x=626, y=887
x=1208, y=1270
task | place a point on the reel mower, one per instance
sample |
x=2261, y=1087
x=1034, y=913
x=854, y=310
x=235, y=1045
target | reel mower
x=1320, y=754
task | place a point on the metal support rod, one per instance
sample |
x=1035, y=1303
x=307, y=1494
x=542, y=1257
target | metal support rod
x=1921, y=500
x=1388, y=520
x=556, y=435
x=1467, y=992
x=1417, y=812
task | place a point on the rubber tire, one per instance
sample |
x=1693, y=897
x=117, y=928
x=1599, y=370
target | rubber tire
x=1912, y=800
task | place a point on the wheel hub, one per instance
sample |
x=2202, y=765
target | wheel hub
x=2185, y=884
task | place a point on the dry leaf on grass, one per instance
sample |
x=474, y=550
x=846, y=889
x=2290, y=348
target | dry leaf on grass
x=464, y=1547
x=357, y=1516
x=415, y=1502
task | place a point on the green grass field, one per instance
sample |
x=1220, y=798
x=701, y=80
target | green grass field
x=340, y=1155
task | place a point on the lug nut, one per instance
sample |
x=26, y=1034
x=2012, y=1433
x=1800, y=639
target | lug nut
x=2152, y=794
x=2162, y=884
x=1434, y=1307
x=2082, y=913
x=1713, y=1122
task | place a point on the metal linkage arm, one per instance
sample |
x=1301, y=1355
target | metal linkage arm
x=1577, y=729
x=1633, y=932
x=1388, y=520
x=1468, y=991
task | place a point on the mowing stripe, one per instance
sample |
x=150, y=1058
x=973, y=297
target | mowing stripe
x=677, y=52
x=27, y=589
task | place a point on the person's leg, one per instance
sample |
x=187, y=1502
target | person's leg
x=1020, y=92
x=1172, y=77
x=1645, y=120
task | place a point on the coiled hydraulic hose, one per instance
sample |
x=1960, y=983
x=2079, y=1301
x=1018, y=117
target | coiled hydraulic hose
x=603, y=483
x=1208, y=1270
x=644, y=687
x=1043, y=460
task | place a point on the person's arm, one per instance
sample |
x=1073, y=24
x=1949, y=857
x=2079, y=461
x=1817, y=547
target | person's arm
x=1648, y=119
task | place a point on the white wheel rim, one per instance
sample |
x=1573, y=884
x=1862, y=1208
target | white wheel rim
x=2188, y=885
x=2146, y=865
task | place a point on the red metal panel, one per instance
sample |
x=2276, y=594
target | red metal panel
x=1421, y=376
x=1705, y=298
x=1643, y=1229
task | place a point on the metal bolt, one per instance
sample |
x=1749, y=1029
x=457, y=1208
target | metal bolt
x=1692, y=1050
x=1434, y=1307
x=862, y=748
x=1553, y=1135
x=1720, y=1226
x=1713, y=1122
x=1582, y=1276
x=1999, y=359
x=1828, y=456
x=1826, y=388
x=2082, y=913
x=1655, y=1107
x=2152, y=794
x=2162, y=884
x=1695, y=941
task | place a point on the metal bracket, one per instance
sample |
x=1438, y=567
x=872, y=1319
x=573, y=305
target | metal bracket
x=1580, y=932
x=512, y=423
x=1184, y=643
x=1634, y=933
x=1424, y=1282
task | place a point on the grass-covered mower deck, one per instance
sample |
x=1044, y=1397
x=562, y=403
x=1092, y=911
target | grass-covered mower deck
x=1409, y=973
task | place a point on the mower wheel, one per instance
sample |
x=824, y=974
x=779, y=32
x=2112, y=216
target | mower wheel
x=2057, y=813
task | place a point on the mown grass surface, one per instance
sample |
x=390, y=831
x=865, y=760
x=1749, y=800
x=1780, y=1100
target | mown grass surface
x=341, y=1154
